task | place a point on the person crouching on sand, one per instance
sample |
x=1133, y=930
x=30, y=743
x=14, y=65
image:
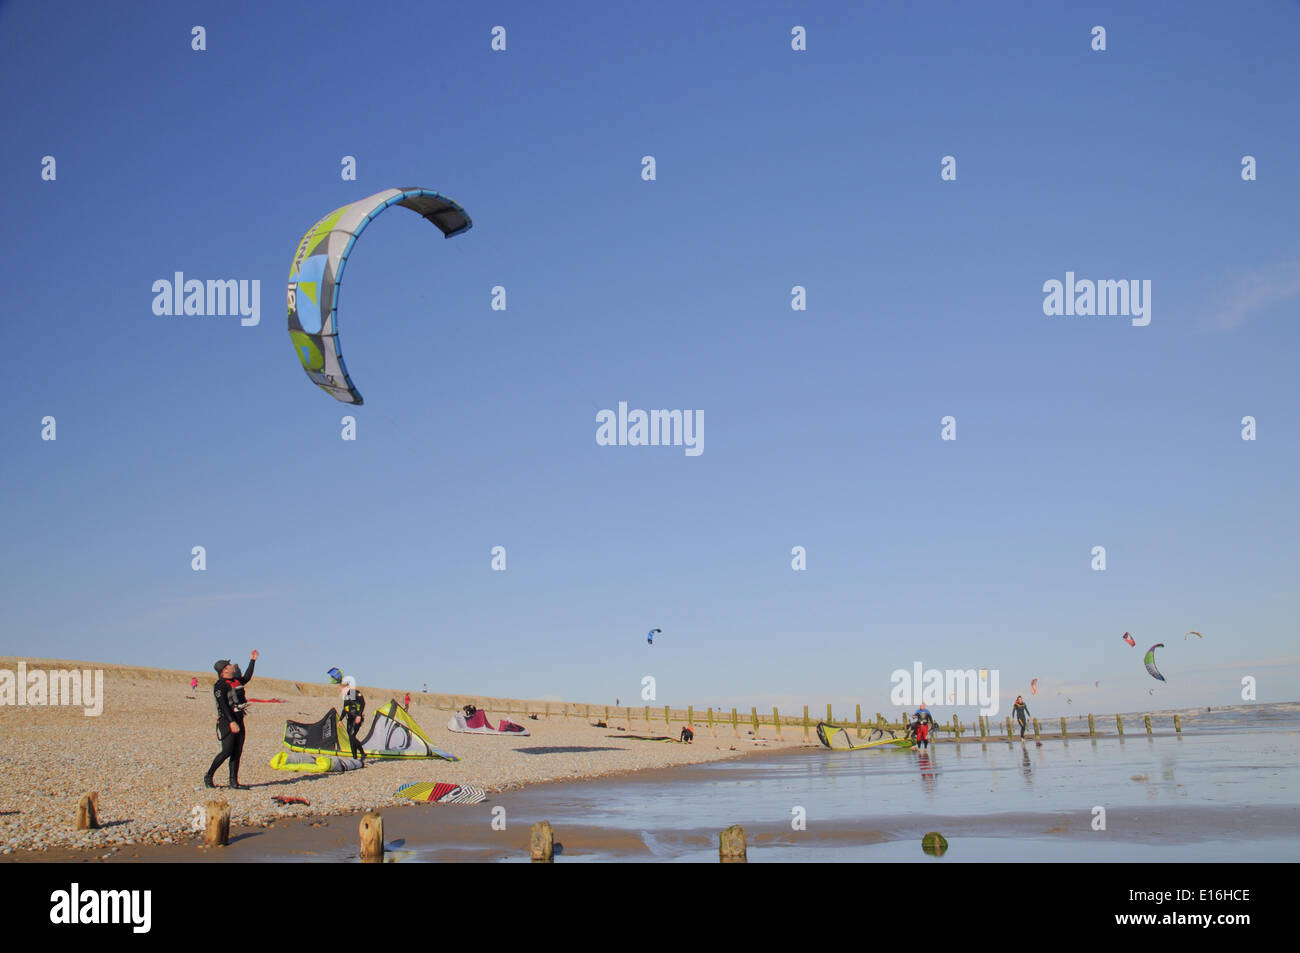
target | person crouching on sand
x=228, y=692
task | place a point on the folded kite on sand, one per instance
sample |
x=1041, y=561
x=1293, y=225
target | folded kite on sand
x=477, y=724
x=313, y=763
x=441, y=792
x=648, y=738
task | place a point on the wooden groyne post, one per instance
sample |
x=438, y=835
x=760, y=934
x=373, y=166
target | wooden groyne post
x=1035, y=729
x=216, y=820
x=372, y=838
x=1064, y=733
x=1148, y=721
x=735, y=724
x=1092, y=727
x=1119, y=724
x=541, y=843
x=858, y=713
x=776, y=720
x=731, y=846
x=1178, y=724
x=87, y=812
x=805, y=722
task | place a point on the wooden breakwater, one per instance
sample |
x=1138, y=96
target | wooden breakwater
x=788, y=726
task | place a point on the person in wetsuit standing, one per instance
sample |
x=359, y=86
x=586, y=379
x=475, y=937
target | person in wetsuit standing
x=1021, y=711
x=228, y=692
x=354, y=713
x=922, y=723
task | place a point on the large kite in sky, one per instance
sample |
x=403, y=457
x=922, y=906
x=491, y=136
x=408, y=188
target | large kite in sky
x=317, y=271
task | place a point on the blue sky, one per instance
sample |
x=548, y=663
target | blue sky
x=775, y=169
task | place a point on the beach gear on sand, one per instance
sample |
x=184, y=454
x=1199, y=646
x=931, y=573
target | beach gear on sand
x=441, y=792
x=648, y=738
x=840, y=739
x=474, y=721
x=286, y=799
x=313, y=763
x=393, y=735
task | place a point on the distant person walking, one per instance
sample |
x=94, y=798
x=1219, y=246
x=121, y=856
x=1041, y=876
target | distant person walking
x=354, y=712
x=406, y=702
x=194, y=684
x=1021, y=711
x=228, y=693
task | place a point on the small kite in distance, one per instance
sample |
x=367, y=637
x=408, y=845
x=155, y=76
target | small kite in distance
x=650, y=636
x=1033, y=687
x=1129, y=639
x=1193, y=632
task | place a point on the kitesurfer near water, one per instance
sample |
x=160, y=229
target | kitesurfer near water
x=1021, y=711
x=228, y=692
x=922, y=722
x=354, y=712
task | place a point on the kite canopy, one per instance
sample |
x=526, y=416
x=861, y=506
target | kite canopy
x=1033, y=687
x=1129, y=639
x=393, y=734
x=1193, y=632
x=650, y=636
x=317, y=273
x=1150, y=661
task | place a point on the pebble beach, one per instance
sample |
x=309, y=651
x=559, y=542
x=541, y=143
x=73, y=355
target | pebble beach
x=146, y=752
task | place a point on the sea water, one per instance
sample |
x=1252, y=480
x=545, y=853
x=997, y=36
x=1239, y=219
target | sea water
x=1226, y=789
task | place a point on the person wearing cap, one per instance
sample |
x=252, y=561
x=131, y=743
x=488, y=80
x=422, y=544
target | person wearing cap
x=228, y=692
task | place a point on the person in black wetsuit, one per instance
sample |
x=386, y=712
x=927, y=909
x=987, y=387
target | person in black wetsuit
x=1021, y=711
x=228, y=692
x=354, y=713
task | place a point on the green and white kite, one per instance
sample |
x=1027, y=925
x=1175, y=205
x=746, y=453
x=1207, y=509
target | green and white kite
x=317, y=272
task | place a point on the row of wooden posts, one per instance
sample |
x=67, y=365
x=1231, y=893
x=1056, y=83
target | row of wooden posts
x=732, y=846
x=983, y=724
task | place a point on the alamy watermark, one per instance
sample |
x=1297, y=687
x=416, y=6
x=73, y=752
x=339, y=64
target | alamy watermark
x=37, y=687
x=216, y=296
x=955, y=686
x=651, y=428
